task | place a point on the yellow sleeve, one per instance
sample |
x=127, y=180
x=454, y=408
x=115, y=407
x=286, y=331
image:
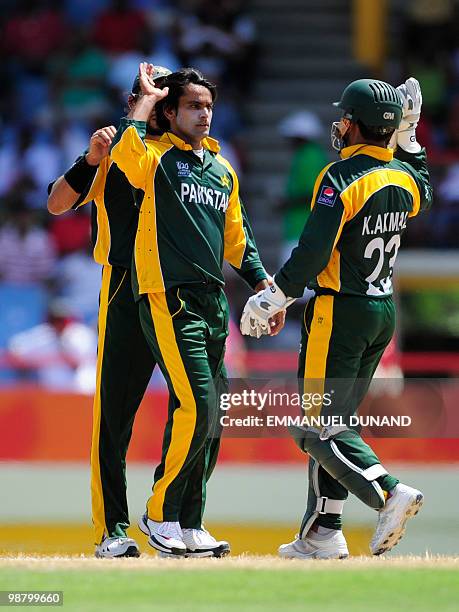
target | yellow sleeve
x=234, y=237
x=130, y=153
x=97, y=187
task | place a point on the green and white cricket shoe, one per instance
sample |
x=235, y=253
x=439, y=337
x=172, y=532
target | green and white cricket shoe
x=404, y=503
x=333, y=547
x=166, y=536
x=111, y=548
x=199, y=543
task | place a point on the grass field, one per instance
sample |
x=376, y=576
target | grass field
x=240, y=583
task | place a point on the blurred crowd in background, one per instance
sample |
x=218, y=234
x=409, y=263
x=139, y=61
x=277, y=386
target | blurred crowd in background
x=428, y=47
x=66, y=69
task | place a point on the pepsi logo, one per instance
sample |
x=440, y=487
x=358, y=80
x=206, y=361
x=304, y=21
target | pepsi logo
x=327, y=196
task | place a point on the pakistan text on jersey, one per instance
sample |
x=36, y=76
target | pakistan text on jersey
x=386, y=222
x=204, y=195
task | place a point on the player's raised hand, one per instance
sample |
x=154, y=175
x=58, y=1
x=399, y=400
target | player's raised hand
x=411, y=96
x=99, y=144
x=410, y=92
x=147, y=84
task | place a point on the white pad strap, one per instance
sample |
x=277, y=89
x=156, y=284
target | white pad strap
x=329, y=506
x=374, y=472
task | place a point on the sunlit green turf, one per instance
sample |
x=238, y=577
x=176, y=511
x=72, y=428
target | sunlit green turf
x=349, y=589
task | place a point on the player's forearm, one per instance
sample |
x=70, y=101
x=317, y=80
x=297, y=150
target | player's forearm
x=252, y=275
x=251, y=270
x=66, y=190
x=143, y=108
x=418, y=163
x=311, y=256
x=62, y=197
x=307, y=260
x=129, y=152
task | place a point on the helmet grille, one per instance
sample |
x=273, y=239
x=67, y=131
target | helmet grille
x=383, y=92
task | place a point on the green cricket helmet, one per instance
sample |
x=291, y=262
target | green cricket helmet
x=159, y=72
x=375, y=103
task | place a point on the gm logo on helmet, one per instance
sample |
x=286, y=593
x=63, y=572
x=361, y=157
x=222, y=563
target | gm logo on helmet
x=388, y=115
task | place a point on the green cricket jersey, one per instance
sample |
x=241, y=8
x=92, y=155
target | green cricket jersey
x=191, y=218
x=360, y=208
x=114, y=215
x=113, y=221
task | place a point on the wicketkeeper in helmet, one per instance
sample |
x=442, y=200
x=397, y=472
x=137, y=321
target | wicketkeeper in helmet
x=346, y=253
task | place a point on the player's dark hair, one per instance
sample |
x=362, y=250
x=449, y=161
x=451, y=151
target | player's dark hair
x=380, y=135
x=177, y=81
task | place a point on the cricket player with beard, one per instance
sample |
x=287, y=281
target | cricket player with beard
x=124, y=360
x=346, y=253
x=191, y=220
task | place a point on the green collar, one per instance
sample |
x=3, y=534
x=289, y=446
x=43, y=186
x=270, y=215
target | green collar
x=371, y=150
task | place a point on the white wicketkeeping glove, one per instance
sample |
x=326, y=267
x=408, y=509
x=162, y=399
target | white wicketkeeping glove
x=411, y=95
x=251, y=327
x=260, y=308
